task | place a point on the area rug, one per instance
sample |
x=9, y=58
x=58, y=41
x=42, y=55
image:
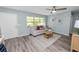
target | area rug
x=42, y=43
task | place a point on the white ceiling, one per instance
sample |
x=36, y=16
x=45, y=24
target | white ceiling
x=41, y=9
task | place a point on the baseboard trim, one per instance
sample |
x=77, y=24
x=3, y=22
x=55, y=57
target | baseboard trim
x=62, y=34
x=15, y=37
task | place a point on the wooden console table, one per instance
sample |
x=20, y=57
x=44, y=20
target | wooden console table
x=75, y=42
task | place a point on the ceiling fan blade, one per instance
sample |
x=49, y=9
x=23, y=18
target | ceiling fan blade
x=61, y=9
x=48, y=9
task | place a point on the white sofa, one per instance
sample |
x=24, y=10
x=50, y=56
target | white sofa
x=36, y=32
x=1, y=39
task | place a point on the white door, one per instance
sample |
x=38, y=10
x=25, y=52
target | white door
x=8, y=23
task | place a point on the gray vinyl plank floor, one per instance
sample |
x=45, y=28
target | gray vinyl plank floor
x=24, y=44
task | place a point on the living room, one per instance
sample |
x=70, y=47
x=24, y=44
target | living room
x=37, y=28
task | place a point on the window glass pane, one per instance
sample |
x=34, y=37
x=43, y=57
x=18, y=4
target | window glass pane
x=29, y=24
x=36, y=21
x=36, y=18
x=30, y=19
x=42, y=21
x=41, y=18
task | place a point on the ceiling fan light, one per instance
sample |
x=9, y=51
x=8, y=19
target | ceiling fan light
x=53, y=11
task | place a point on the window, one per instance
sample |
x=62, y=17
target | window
x=35, y=21
x=29, y=21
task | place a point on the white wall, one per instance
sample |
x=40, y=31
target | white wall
x=13, y=22
x=8, y=24
x=62, y=27
x=13, y=25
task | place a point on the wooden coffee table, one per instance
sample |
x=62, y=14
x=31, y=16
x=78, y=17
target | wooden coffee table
x=48, y=34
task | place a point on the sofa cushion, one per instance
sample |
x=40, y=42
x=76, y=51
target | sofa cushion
x=40, y=27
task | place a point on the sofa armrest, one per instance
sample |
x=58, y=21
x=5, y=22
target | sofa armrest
x=2, y=39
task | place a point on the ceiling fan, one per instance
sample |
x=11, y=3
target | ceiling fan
x=53, y=9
